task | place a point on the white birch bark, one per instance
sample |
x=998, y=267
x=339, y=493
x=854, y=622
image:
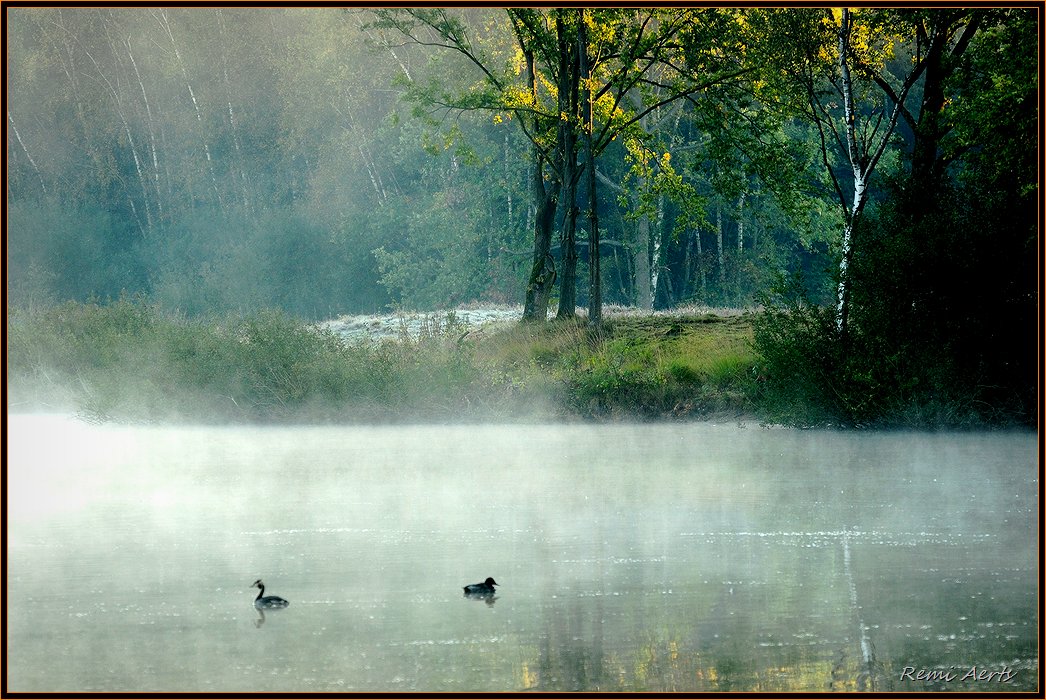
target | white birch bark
x=233, y=127
x=118, y=103
x=165, y=23
x=740, y=225
x=152, y=131
x=863, y=157
x=860, y=184
x=655, y=262
x=369, y=163
x=25, y=150
x=740, y=246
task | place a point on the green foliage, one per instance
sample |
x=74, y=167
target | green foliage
x=449, y=253
x=638, y=367
x=279, y=260
x=57, y=251
x=128, y=360
x=798, y=357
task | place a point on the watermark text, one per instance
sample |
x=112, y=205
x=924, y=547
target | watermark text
x=972, y=674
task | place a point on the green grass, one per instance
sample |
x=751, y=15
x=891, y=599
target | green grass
x=641, y=367
x=132, y=361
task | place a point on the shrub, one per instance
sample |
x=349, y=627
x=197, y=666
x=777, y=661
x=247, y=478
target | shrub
x=794, y=340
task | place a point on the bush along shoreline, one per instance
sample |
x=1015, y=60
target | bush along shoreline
x=131, y=362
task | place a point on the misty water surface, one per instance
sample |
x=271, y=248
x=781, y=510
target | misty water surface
x=684, y=557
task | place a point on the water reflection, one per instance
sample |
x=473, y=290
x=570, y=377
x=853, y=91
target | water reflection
x=570, y=656
x=488, y=598
x=260, y=620
x=683, y=558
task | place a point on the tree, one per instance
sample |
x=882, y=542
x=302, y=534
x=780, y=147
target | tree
x=595, y=292
x=635, y=65
x=918, y=332
x=855, y=93
x=510, y=85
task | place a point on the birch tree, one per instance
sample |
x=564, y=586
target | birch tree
x=164, y=21
x=857, y=69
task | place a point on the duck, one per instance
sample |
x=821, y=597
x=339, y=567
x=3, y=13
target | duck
x=267, y=601
x=481, y=589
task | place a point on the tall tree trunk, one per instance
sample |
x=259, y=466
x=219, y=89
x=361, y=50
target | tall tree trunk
x=719, y=247
x=859, y=166
x=639, y=259
x=166, y=24
x=543, y=268
x=655, y=260
x=366, y=156
x=688, y=262
x=863, y=153
x=740, y=225
x=694, y=267
x=568, y=84
x=595, y=289
x=568, y=241
x=644, y=294
x=702, y=274
x=144, y=226
x=233, y=127
x=152, y=131
x=510, y=221
x=940, y=64
x=657, y=255
x=740, y=247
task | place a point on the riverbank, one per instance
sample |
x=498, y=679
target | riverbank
x=131, y=362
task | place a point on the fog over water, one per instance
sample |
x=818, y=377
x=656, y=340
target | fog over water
x=662, y=557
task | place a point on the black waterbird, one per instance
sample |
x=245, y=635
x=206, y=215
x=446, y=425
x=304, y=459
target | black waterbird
x=481, y=589
x=267, y=601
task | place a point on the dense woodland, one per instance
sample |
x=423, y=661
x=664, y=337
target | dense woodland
x=867, y=176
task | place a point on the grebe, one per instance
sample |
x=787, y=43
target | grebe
x=267, y=601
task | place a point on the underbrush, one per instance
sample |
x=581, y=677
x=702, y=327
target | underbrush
x=871, y=378
x=132, y=361
x=639, y=367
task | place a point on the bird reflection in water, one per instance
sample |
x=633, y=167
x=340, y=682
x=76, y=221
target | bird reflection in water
x=487, y=598
x=261, y=618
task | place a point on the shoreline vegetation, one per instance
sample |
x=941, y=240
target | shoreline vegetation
x=129, y=361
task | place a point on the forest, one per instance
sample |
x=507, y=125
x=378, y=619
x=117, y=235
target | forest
x=863, y=181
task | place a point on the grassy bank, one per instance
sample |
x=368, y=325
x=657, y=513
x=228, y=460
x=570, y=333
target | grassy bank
x=131, y=361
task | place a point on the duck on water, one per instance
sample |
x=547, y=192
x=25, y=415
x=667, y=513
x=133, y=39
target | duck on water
x=268, y=602
x=481, y=589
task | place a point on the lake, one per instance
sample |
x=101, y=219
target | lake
x=684, y=557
